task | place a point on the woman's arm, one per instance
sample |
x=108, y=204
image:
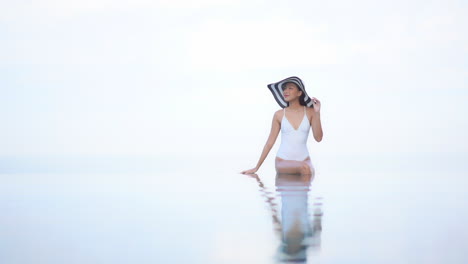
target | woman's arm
x=316, y=124
x=275, y=129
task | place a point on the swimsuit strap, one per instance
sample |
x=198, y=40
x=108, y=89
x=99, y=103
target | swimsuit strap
x=284, y=112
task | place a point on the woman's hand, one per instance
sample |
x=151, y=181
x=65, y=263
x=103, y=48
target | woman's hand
x=251, y=171
x=317, y=104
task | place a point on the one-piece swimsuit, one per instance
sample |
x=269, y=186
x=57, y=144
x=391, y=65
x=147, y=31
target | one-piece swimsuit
x=294, y=141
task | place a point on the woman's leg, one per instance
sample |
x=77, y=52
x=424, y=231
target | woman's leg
x=293, y=166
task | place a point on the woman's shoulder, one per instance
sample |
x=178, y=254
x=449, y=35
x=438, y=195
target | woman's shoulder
x=279, y=112
x=310, y=112
x=278, y=115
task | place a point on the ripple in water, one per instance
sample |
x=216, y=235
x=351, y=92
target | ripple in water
x=296, y=216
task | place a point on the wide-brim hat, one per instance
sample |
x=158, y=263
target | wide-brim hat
x=277, y=91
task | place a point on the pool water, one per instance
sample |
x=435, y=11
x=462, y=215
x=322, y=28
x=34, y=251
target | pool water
x=191, y=214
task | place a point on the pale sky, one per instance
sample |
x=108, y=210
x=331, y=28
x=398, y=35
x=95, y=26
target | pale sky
x=101, y=77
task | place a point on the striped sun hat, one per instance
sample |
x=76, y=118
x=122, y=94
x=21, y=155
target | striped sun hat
x=277, y=91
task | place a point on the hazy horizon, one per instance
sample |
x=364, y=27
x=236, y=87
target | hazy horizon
x=152, y=78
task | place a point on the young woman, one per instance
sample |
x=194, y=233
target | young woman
x=300, y=113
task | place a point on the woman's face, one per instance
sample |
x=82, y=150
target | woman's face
x=291, y=92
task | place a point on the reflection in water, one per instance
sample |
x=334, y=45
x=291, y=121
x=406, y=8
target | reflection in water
x=297, y=229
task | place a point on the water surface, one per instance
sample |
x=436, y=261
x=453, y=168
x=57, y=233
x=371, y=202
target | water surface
x=193, y=215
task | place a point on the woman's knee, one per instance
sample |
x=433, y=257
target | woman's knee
x=305, y=168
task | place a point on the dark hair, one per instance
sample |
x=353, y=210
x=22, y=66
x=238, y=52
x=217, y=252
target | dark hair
x=301, y=98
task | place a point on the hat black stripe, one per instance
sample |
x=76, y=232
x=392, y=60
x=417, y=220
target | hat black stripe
x=279, y=92
x=279, y=89
x=277, y=97
x=298, y=80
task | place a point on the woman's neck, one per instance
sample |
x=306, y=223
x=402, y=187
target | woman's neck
x=294, y=105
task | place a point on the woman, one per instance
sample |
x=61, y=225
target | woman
x=300, y=113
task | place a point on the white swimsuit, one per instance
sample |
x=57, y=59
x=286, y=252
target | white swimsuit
x=294, y=142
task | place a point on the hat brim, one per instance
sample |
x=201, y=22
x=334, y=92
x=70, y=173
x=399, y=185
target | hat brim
x=277, y=91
